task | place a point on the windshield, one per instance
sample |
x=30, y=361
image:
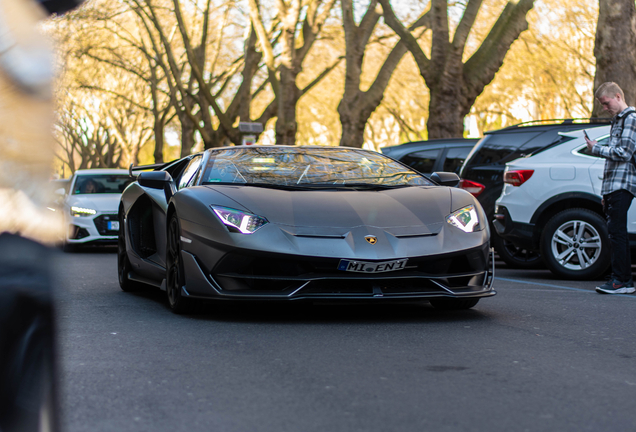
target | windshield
x=101, y=184
x=304, y=167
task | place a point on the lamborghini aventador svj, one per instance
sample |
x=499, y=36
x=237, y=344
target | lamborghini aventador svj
x=311, y=223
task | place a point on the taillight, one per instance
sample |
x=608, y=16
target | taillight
x=473, y=187
x=517, y=177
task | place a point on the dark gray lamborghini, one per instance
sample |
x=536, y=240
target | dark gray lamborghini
x=312, y=223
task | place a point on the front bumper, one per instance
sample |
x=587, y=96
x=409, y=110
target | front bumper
x=459, y=275
x=81, y=230
x=520, y=234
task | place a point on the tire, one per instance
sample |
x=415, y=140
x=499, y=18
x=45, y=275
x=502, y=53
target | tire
x=123, y=263
x=515, y=256
x=174, y=270
x=453, y=303
x=565, y=255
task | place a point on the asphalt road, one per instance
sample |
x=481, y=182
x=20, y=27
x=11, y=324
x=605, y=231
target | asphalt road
x=542, y=355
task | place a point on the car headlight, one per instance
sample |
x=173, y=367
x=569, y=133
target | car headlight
x=236, y=220
x=80, y=211
x=466, y=219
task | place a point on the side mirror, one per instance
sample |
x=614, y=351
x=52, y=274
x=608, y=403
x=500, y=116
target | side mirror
x=157, y=180
x=60, y=192
x=154, y=179
x=445, y=178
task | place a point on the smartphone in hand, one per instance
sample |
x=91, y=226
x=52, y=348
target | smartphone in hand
x=586, y=135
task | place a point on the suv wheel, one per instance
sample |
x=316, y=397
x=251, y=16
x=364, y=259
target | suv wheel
x=515, y=256
x=575, y=244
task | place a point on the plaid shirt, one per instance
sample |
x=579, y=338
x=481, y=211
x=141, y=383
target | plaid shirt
x=620, y=171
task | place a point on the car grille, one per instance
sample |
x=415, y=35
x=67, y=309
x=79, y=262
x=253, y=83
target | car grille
x=311, y=276
x=101, y=223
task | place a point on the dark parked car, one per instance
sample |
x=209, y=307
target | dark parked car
x=482, y=172
x=302, y=223
x=430, y=156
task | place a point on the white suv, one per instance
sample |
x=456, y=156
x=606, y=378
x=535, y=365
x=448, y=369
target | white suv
x=551, y=203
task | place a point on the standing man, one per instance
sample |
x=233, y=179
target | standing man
x=619, y=184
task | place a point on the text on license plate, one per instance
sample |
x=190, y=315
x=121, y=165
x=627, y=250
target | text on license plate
x=372, y=267
x=113, y=225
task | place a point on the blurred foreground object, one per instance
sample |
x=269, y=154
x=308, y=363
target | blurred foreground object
x=27, y=336
x=26, y=123
x=27, y=339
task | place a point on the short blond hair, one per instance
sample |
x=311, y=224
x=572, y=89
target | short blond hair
x=609, y=89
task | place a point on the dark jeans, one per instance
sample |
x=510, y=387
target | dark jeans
x=616, y=205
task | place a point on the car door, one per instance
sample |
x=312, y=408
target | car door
x=149, y=233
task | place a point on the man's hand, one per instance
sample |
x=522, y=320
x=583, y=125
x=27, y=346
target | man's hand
x=589, y=143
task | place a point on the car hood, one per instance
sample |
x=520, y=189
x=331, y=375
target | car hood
x=401, y=212
x=104, y=203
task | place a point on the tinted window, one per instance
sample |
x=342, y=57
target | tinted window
x=455, y=158
x=498, y=147
x=422, y=161
x=558, y=141
x=603, y=142
x=546, y=139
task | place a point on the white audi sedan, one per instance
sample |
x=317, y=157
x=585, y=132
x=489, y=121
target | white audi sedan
x=90, y=206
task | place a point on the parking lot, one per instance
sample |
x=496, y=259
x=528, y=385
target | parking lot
x=543, y=354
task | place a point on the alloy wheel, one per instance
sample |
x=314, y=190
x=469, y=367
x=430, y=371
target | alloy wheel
x=576, y=245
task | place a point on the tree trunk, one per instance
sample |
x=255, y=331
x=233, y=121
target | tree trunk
x=286, y=125
x=292, y=55
x=615, y=49
x=187, y=136
x=454, y=85
x=447, y=106
x=356, y=106
x=353, y=124
x=159, y=141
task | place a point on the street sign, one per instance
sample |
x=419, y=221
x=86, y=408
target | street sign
x=253, y=128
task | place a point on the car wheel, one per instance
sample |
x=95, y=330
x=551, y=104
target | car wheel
x=453, y=303
x=175, y=276
x=575, y=244
x=123, y=263
x=515, y=256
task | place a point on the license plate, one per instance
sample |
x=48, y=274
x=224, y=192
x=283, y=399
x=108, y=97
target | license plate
x=113, y=225
x=372, y=267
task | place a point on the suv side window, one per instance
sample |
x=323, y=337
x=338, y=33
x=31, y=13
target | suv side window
x=493, y=149
x=422, y=161
x=455, y=158
x=584, y=151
